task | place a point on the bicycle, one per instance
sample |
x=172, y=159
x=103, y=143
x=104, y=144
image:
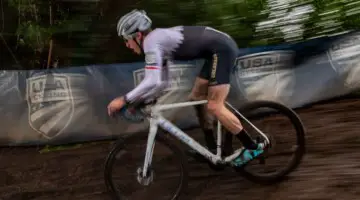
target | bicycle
x=145, y=172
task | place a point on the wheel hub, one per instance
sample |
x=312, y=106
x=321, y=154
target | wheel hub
x=147, y=179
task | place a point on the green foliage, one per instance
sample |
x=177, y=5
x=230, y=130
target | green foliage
x=33, y=35
x=35, y=30
x=250, y=22
x=29, y=31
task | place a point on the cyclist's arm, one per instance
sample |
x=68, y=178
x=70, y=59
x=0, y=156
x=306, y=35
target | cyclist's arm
x=152, y=81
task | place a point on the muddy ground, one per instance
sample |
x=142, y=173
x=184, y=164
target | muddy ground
x=330, y=169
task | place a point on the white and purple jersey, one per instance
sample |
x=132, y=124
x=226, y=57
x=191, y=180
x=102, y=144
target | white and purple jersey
x=182, y=43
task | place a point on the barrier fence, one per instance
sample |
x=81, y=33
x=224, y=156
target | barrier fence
x=66, y=105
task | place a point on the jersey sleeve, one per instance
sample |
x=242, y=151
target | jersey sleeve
x=153, y=69
x=152, y=49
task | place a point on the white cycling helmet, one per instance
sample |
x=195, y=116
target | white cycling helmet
x=133, y=22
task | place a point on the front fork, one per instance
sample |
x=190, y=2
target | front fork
x=150, y=146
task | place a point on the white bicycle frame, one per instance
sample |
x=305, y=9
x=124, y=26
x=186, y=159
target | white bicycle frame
x=156, y=120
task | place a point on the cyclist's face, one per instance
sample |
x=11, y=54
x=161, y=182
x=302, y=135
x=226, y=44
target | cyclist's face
x=131, y=44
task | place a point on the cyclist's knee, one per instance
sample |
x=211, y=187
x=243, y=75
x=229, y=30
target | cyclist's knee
x=215, y=107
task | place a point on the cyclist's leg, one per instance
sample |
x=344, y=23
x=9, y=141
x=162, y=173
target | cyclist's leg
x=219, y=86
x=200, y=92
x=216, y=97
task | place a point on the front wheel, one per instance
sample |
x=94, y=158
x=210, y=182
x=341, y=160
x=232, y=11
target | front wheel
x=167, y=177
x=283, y=155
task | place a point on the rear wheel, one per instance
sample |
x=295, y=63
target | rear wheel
x=283, y=155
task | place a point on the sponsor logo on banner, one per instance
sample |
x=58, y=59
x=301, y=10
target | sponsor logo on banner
x=264, y=61
x=345, y=51
x=50, y=104
x=344, y=58
x=178, y=76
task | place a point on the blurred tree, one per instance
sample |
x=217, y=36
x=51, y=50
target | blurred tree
x=84, y=32
x=41, y=22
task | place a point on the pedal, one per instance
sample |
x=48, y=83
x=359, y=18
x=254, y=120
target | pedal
x=261, y=157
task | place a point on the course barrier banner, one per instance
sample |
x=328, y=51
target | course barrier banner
x=66, y=105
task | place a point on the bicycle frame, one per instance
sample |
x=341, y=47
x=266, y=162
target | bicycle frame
x=157, y=120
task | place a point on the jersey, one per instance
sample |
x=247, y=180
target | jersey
x=162, y=45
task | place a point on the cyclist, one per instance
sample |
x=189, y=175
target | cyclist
x=161, y=45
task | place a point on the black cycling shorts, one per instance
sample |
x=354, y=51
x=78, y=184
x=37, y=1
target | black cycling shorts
x=220, y=59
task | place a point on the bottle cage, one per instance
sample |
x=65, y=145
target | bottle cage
x=132, y=114
x=135, y=112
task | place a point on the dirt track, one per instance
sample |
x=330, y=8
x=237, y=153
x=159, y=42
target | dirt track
x=330, y=169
